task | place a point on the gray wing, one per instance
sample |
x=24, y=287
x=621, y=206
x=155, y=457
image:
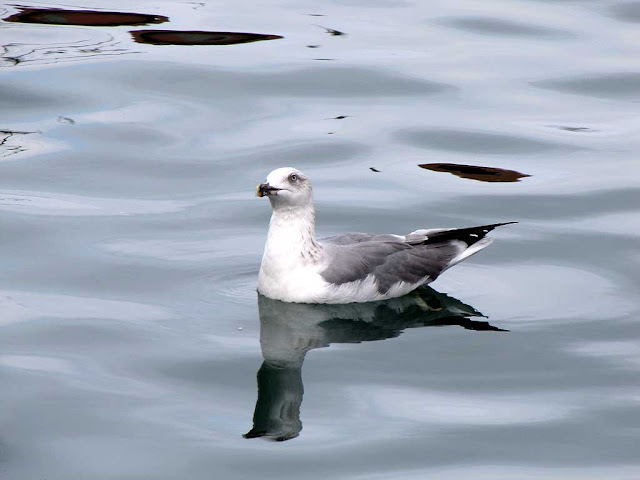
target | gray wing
x=349, y=238
x=392, y=259
x=389, y=261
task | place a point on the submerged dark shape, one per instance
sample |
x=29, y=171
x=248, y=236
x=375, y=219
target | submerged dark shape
x=89, y=18
x=572, y=129
x=289, y=330
x=495, y=26
x=196, y=37
x=473, y=172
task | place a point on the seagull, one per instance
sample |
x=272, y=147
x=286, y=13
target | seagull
x=354, y=267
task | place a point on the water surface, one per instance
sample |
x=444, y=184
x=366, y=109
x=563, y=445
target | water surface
x=133, y=340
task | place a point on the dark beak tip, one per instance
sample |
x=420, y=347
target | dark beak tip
x=264, y=190
x=260, y=190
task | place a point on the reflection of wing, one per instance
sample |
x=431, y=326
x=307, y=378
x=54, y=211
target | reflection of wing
x=429, y=309
x=289, y=330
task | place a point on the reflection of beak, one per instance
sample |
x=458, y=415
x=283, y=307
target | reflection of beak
x=264, y=190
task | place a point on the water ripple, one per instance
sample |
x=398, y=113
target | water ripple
x=478, y=142
x=618, y=86
x=40, y=203
x=627, y=11
x=498, y=27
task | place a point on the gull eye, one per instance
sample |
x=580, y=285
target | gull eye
x=293, y=177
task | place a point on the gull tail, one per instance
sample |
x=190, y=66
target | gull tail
x=475, y=248
x=474, y=237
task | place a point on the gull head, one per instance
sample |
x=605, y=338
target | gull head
x=286, y=187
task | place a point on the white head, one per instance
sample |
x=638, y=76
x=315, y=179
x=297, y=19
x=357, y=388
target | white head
x=287, y=187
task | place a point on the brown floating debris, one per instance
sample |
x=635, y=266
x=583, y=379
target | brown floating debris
x=195, y=37
x=16, y=132
x=473, y=172
x=331, y=31
x=90, y=18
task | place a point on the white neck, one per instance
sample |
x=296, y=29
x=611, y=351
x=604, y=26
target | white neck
x=292, y=236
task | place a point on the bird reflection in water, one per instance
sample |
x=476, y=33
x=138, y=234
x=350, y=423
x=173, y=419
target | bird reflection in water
x=289, y=330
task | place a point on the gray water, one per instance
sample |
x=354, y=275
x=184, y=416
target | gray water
x=130, y=334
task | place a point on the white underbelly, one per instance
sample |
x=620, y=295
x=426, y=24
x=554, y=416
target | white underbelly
x=306, y=285
x=300, y=285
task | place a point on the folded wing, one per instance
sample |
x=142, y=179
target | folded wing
x=416, y=258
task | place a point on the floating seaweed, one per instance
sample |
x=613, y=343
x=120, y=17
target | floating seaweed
x=90, y=18
x=473, y=172
x=194, y=37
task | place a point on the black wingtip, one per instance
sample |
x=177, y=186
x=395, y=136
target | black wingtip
x=487, y=228
x=494, y=225
x=468, y=235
